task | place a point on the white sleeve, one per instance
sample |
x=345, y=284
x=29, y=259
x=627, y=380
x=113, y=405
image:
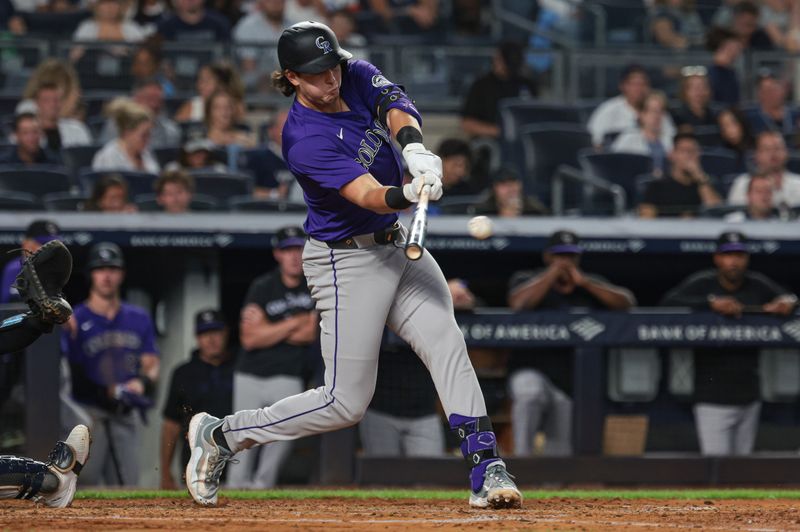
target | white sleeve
x=738, y=192
x=597, y=125
x=87, y=31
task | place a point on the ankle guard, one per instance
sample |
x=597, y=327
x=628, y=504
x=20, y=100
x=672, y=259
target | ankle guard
x=24, y=478
x=478, y=445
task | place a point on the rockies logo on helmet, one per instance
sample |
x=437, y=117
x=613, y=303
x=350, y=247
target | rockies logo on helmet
x=323, y=45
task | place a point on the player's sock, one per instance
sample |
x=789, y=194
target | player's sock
x=19, y=331
x=24, y=478
x=478, y=445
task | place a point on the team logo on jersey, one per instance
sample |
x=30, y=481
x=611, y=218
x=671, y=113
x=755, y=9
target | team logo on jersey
x=323, y=45
x=378, y=80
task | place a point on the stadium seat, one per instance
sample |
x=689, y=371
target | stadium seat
x=222, y=186
x=166, y=154
x=515, y=113
x=64, y=201
x=641, y=186
x=622, y=169
x=138, y=182
x=250, y=204
x=725, y=183
x=707, y=136
x=793, y=164
x=77, y=157
x=19, y=201
x=53, y=25
x=545, y=148
x=200, y=202
x=35, y=179
x=719, y=162
x=464, y=204
x=101, y=69
x=719, y=211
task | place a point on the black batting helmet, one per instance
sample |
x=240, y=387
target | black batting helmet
x=105, y=255
x=310, y=48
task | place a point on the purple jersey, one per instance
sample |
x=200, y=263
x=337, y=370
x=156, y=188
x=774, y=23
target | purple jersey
x=109, y=351
x=7, y=292
x=325, y=151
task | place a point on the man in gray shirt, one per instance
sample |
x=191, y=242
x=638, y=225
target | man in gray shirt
x=263, y=26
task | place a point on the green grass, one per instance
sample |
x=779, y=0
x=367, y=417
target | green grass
x=686, y=494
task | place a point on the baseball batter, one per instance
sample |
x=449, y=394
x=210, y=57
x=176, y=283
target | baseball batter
x=337, y=141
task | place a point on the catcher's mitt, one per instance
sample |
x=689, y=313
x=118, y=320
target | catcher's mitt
x=44, y=273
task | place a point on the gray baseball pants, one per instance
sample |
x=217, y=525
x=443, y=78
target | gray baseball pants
x=356, y=292
x=386, y=435
x=726, y=429
x=539, y=404
x=251, y=391
x=115, y=449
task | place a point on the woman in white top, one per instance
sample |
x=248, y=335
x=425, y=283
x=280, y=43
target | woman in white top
x=650, y=137
x=129, y=151
x=107, y=24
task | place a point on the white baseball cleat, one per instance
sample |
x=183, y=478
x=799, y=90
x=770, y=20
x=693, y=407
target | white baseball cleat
x=207, y=460
x=66, y=461
x=498, y=490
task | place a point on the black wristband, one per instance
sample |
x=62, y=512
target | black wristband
x=407, y=135
x=395, y=199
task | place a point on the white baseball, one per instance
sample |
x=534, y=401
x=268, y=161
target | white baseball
x=480, y=227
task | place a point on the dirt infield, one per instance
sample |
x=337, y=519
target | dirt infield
x=381, y=514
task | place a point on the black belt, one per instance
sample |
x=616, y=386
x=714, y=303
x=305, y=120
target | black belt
x=382, y=237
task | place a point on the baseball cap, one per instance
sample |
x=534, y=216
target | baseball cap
x=198, y=144
x=105, y=255
x=290, y=236
x=208, y=320
x=43, y=231
x=504, y=174
x=564, y=242
x=731, y=242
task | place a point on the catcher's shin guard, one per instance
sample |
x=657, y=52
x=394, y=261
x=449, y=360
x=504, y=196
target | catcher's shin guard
x=24, y=478
x=21, y=330
x=478, y=445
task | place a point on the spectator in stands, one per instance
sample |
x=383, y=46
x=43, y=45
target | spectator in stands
x=278, y=323
x=174, y=189
x=676, y=24
x=196, y=154
x=406, y=16
x=148, y=13
x=10, y=20
x=149, y=94
x=192, y=22
x=302, y=10
x=759, y=201
x=621, y=113
x=726, y=381
x=773, y=113
x=456, y=159
x=723, y=16
x=480, y=116
x=114, y=366
x=726, y=49
x=735, y=133
x=59, y=131
x=507, y=198
x=343, y=24
x=746, y=27
x=776, y=20
x=202, y=384
x=28, y=140
x=130, y=150
x=210, y=79
x=273, y=178
x=263, y=26
x=771, y=157
x=110, y=194
x=651, y=136
x=62, y=75
x=146, y=64
x=108, y=24
x=220, y=120
x=685, y=189
x=539, y=382
x=38, y=233
x=402, y=419
x=695, y=94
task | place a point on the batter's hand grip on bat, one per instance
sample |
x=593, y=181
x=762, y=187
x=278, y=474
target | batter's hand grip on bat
x=419, y=226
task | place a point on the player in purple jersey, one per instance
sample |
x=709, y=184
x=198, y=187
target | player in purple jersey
x=337, y=142
x=114, y=364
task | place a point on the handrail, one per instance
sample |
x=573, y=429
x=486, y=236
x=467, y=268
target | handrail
x=568, y=173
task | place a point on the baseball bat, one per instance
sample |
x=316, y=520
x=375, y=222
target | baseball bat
x=419, y=226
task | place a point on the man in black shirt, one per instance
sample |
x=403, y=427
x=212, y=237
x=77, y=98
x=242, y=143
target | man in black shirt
x=480, y=115
x=276, y=327
x=726, y=383
x=685, y=189
x=28, y=140
x=539, y=381
x=192, y=22
x=203, y=384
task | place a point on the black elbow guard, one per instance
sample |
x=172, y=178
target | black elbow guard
x=389, y=95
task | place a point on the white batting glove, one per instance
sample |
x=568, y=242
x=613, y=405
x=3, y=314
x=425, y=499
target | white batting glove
x=412, y=190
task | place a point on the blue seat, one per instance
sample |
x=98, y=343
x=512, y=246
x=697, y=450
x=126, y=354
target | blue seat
x=793, y=164
x=77, y=157
x=200, y=202
x=516, y=113
x=463, y=204
x=622, y=169
x=719, y=162
x=222, y=186
x=250, y=204
x=19, y=201
x=166, y=154
x=138, y=182
x=37, y=180
x=545, y=148
x=64, y=201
